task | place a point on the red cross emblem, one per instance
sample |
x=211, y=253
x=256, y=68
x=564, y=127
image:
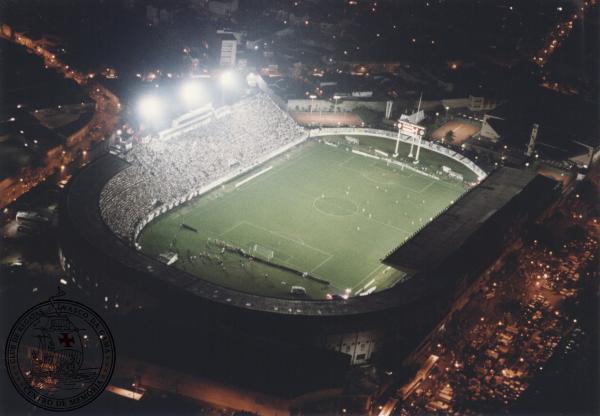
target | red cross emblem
x=66, y=339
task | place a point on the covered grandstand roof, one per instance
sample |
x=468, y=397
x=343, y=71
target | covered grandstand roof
x=440, y=239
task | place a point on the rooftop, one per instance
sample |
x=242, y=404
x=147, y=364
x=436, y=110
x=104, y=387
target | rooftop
x=437, y=241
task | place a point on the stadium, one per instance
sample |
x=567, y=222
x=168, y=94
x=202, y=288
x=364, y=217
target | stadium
x=317, y=218
x=288, y=242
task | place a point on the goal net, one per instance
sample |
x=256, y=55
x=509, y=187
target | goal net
x=262, y=252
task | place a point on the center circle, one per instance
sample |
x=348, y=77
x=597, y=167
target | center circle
x=332, y=205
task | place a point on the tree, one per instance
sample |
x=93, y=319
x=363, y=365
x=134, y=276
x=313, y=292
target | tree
x=368, y=116
x=449, y=137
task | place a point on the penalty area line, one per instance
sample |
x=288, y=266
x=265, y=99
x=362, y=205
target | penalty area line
x=249, y=178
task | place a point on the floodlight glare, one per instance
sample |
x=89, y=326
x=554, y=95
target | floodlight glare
x=149, y=108
x=227, y=79
x=251, y=79
x=191, y=93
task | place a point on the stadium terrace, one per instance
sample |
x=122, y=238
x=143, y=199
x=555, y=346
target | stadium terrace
x=247, y=222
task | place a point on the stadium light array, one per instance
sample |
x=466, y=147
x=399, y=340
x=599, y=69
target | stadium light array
x=150, y=108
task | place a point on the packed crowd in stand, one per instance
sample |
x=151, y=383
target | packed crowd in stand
x=164, y=170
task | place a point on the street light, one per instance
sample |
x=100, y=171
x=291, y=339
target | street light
x=336, y=98
x=312, y=100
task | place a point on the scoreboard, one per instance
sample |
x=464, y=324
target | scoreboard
x=410, y=129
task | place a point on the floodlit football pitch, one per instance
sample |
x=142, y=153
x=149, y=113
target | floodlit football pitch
x=319, y=217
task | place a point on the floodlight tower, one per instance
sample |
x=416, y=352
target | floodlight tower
x=336, y=98
x=414, y=138
x=388, y=109
x=532, y=139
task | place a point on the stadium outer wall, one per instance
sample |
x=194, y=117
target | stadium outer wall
x=138, y=287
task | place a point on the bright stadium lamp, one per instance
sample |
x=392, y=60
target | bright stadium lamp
x=227, y=79
x=191, y=93
x=150, y=108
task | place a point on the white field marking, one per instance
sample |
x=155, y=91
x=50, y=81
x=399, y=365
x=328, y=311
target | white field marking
x=388, y=225
x=411, y=202
x=387, y=183
x=395, y=162
x=292, y=162
x=211, y=233
x=192, y=211
x=368, y=284
x=382, y=153
x=287, y=238
x=320, y=196
x=230, y=229
x=349, y=158
x=334, y=215
x=289, y=262
x=243, y=170
x=249, y=178
x=307, y=152
x=308, y=197
x=367, y=292
x=367, y=277
x=291, y=237
x=320, y=264
x=358, y=152
x=358, y=172
x=371, y=219
x=404, y=165
x=426, y=187
x=449, y=185
x=280, y=165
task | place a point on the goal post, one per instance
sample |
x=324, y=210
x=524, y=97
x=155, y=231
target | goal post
x=262, y=252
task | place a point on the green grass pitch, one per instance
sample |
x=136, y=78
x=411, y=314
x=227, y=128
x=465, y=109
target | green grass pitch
x=322, y=218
